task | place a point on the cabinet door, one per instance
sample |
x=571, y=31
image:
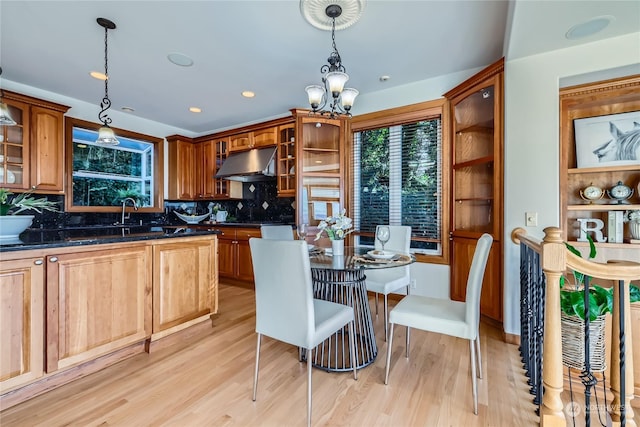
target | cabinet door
x=14, y=147
x=22, y=320
x=491, y=297
x=183, y=282
x=286, y=166
x=47, y=149
x=182, y=173
x=97, y=301
x=244, y=265
x=227, y=249
x=242, y=141
x=208, y=162
x=265, y=137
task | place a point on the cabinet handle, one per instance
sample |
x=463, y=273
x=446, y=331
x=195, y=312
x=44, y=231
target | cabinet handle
x=53, y=259
x=38, y=262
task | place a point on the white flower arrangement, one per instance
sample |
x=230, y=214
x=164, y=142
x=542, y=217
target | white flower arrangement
x=337, y=227
x=632, y=216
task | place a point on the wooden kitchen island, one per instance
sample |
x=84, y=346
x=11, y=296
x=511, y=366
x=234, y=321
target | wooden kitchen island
x=72, y=306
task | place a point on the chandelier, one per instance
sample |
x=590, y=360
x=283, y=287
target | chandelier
x=106, y=136
x=5, y=116
x=332, y=90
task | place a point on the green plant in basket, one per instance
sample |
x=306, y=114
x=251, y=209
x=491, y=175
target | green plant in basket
x=600, y=299
x=11, y=204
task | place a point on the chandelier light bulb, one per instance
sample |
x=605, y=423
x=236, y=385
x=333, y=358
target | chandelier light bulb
x=348, y=96
x=315, y=93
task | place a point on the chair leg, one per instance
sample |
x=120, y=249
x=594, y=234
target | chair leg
x=352, y=345
x=308, y=391
x=474, y=381
x=389, y=343
x=386, y=325
x=407, y=343
x=479, y=356
x=376, y=303
x=255, y=375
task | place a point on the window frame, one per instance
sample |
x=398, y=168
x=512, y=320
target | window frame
x=408, y=114
x=158, y=167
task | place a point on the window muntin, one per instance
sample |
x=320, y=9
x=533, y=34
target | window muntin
x=398, y=180
x=100, y=177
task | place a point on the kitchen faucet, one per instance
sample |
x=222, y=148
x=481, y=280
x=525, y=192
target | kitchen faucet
x=124, y=203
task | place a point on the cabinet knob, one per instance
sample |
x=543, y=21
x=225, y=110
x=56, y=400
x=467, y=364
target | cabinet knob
x=38, y=262
x=53, y=259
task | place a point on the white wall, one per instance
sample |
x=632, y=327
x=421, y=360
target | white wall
x=532, y=143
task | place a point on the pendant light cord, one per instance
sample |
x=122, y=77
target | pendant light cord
x=106, y=102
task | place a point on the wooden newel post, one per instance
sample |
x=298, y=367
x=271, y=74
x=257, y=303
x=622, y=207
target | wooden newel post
x=553, y=265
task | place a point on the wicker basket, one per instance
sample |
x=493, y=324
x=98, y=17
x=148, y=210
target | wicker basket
x=573, y=343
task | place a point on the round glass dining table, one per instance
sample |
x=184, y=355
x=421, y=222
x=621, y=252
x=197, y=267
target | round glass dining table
x=342, y=279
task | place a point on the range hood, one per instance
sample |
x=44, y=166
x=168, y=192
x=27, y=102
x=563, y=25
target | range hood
x=248, y=166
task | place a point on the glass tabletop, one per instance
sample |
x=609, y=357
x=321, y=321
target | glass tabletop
x=358, y=258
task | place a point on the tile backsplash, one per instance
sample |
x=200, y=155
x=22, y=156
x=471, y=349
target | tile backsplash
x=260, y=203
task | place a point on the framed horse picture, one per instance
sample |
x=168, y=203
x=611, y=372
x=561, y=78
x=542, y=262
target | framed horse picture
x=612, y=140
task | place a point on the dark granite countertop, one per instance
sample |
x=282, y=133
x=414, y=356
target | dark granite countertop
x=91, y=235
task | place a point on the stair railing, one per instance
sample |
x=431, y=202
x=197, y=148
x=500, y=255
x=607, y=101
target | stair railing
x=554, y=260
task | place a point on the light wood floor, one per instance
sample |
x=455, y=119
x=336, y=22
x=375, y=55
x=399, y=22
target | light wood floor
x=206, y=380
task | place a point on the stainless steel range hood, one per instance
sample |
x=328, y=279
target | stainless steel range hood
x=248, y=166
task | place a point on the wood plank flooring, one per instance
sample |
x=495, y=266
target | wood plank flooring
x=205, y=379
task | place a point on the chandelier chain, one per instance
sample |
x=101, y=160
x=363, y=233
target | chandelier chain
x=106, y=102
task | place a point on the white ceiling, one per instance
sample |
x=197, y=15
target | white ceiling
x=267, y=47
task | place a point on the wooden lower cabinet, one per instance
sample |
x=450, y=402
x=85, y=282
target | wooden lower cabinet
x=97, y=301
x=491, y=297
x=184, y=282
x=234, y=254
x=22, y=320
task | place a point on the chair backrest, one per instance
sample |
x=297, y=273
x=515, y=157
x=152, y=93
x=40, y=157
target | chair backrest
x=399, y=239
x=276, y=232
x=474, y=282
x=283, y=289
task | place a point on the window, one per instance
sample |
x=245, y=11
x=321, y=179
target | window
x=397, y=176
x=102, y=176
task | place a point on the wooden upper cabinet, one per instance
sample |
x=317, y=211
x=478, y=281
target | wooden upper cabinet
x=205, y=168
x=182, y=175
x=32, y=151
x=286, y=166
x=259, y=138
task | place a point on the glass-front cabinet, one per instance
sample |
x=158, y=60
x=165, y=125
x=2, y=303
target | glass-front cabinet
x=14, y=155
x=321, y=165
x=477, y=182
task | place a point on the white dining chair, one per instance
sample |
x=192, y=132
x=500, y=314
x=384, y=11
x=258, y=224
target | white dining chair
x=388, y=280
x=454, y=318
x=285, y=307
x=276, y=232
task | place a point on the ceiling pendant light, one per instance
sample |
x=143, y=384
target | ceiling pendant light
x=106, y=136
x=332, y=90
x=5, y=116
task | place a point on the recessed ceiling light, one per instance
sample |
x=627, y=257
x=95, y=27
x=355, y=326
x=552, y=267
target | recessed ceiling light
x=248, y=94
x=180, y=59
x=384, y=78
x=98, y=75
x=127, y=109
x=195, y=110
x=589, y=28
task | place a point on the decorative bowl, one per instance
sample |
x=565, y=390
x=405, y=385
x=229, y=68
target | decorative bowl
x=191, y=219
x=12, y=225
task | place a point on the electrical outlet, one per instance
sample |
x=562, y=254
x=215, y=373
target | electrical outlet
x=531, y=219
x=413, y=284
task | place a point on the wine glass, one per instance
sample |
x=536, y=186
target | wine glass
x=302, y=230
x=383, y=234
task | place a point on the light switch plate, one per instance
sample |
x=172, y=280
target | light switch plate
x=531, y=219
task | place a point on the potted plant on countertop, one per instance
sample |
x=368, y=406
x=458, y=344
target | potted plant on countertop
x=573, y=316
x=11, y=222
